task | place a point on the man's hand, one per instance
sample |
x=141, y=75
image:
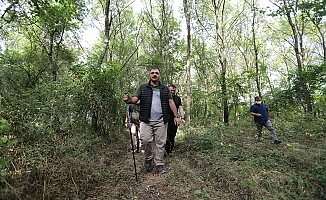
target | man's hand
x=176, y=121
x=125, y=97
x=258, y=115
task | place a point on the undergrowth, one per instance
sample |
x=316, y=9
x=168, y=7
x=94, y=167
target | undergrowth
x=221, y=162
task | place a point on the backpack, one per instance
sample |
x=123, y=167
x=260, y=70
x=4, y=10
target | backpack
x=134, y=110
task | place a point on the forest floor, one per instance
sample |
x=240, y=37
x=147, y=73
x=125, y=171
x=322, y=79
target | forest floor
x=224, y=165
x=222, y=162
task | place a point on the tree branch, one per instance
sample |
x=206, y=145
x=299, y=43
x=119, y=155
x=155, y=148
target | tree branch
x=10, y=6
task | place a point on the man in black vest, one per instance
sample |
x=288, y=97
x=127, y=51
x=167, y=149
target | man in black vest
x=155, y=104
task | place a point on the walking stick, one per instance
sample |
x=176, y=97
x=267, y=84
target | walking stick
x=132, y=146
x=133, y=154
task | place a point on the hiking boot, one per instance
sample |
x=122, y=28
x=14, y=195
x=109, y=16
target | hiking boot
x=171, y=154
x=161, y=169
x=165, y=153
x=277, y=141
x=148, y=165
x=260, y=140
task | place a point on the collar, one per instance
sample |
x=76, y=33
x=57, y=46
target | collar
x=152, y=86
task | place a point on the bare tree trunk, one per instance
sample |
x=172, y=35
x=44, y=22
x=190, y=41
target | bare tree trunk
x=108, y=18
x=323, y=43
x=107, y=26
x=255, y=48
x=54, y=68
x=220, y=41
x=224, y=90
x=94, y=122
x=186, y=6
x=322, y=38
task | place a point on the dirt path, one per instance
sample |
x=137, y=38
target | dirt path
x=152, y=185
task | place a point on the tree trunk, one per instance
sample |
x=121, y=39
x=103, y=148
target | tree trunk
x=224, y=93
x=255, y=49
x=323, y=43
x=220, y=41
x=107, y=26
x=108, y=18
x=186, y=6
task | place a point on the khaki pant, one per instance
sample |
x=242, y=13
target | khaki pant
x=154, y=131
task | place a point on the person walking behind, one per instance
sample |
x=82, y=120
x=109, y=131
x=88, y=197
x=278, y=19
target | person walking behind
x=172, y=127
x=132, y=121
x=262, y=118
x=155, y=104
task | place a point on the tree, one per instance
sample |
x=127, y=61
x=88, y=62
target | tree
x=187, y=11
x=255, y=46
x=316, y=11
x=161, y=33
x=219, y=10
x=289, y=10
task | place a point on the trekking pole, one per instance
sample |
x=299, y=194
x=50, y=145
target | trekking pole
x=133, y=154
x=132, y=147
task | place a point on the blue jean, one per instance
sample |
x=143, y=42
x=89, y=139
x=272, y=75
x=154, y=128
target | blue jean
x=269, y=127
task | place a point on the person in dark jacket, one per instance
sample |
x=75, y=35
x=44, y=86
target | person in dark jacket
x=155, y=104
x=262, y=118
x=173, y=128
x=132, y=121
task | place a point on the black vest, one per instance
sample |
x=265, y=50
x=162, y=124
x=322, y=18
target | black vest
x=146, y=102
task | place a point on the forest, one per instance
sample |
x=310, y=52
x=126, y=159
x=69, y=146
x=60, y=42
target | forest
x=65, y=65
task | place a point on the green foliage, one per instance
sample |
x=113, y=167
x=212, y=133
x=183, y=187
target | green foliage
x=6, y=139
x=4, y=126
x=314, y=75
x=36, y=112
x=6, y=142
x=63, y=158
x=315, y=10
x=292, y=98
x=238, y=164
x=319, y=173
x=200, y=193
x=204, y=141
x=104, y=96
x=61, y=14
